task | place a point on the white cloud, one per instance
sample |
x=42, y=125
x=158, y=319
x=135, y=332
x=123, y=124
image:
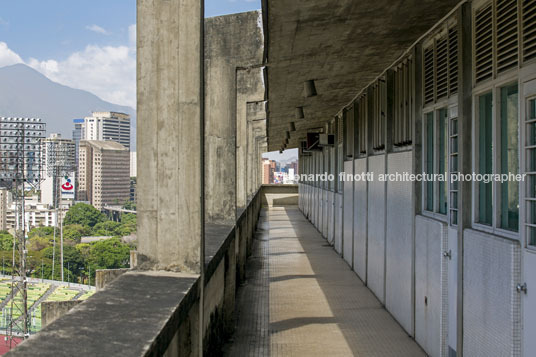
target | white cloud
x=132, y=35
x=106, y=71
x=97, y=29
x=7, y=56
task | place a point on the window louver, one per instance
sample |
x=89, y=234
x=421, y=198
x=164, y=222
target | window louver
x=453, y=60
x=379, y=101
x=403, y=104
x=442, y=68
x=362, y=124
x=484, y=43
x=428, y=75
x=340, y=129
x=529, y=30
x=507, y=31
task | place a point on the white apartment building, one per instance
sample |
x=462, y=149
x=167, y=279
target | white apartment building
x=36, y=214
x=108, y=126
x=104, y=173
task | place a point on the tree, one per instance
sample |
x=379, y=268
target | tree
x=84, y=214
x=6, y=240
x=108, y=228
x=74, y=232
x=41, y=232
x=109, y=254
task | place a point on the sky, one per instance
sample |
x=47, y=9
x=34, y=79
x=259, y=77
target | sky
x=287, y=154
x=86, y=44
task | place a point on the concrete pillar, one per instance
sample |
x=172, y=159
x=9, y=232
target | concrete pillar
x=250, y=88
x=256, y=127
x=170, y=140
x=232, y=42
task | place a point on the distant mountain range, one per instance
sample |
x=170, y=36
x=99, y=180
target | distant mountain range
x=24, y=92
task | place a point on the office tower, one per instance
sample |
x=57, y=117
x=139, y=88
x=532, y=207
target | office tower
x=107, y=126
x=104, y=173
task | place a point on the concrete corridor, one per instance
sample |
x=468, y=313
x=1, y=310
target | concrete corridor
x=302, y=299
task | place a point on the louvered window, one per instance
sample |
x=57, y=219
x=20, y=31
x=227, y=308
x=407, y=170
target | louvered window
x=484, y=43
x=349, y=131
x=529, y=29
x=496, y=40
x=441, y=67
x=362, y=124
x=403, y=103
x=429, y=75
x=340, y=126
x=453, y=60
x=379, y=104
x=507, y=32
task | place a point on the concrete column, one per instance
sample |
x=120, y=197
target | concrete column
x=170, y=140
x=256, y=127
x=249, y=89
x=233, y=41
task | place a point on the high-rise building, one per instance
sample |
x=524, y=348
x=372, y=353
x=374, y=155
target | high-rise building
x=58, y=160
x=107, y=126
x=77, y=135
x=104, y=173
x=4, y=198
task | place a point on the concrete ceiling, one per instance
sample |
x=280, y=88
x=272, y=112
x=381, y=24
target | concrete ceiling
x=342, y=44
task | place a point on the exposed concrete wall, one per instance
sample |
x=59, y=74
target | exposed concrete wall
x=105, y=276
x=231, y=41
x=170, y=144
x=51, y=310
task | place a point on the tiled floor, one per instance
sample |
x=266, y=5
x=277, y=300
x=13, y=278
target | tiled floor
x=302, y=299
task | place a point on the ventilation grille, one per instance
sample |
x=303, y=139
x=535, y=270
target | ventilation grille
x=379, y=102
x=340, y=126
x=429, y=75
x=507, y=31
x=442, y=68
x=362, y=124
x=403, y=104
x=484, y=43
x=453, y=60
x=529, y=30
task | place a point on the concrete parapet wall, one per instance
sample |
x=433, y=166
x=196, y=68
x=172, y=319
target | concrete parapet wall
x=51, y=310
x=105, y=276
x=279, y=195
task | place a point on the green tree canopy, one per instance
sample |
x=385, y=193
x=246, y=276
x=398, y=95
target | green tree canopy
x=108, y=228
x=84, y=214
x=109, y=254
x=6, y=240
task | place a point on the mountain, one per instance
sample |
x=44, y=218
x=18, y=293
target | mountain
x=24, y=92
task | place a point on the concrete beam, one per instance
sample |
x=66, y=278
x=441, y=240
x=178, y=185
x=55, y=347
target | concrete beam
x=170, y=136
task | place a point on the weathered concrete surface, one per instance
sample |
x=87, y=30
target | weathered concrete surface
x=105, y=276
x=51, y=310
x=256, y=133
x=279, y=195
x=170, y=142
x=136, y=314
x=231, y=42
x=342, y=45
x=249, y=89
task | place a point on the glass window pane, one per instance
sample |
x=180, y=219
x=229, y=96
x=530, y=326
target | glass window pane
x=443, y=158
x=531, y=219
x=429, y=162
x=485, y=106
x=509, y=204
